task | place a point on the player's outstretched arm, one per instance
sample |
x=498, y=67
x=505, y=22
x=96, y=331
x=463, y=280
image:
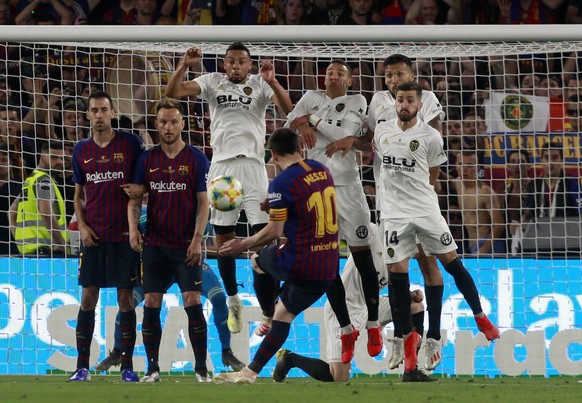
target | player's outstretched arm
x=280, y=97
x=177, y=88
x=234, y=247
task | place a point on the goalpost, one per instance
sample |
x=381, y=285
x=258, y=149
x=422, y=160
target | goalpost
x=503, y=88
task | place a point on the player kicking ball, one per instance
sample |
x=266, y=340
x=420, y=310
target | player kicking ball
x=334, y=370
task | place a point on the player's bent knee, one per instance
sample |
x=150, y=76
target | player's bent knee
x=255, y=265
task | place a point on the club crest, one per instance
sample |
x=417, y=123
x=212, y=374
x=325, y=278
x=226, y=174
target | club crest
x=414, y=144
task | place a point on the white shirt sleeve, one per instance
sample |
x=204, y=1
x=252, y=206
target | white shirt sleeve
x=431, y=107
x=351, y=123
x=435, y=153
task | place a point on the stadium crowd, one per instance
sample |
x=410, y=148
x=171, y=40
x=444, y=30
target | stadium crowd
x=43, y=91
x=488, y=205
x=289, y=12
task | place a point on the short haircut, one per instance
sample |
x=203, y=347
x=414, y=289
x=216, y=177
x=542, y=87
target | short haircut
x=397, y=58
x=100, y=95
x=284, y=141
x=553, y=145
x=51, y=145
x=169, y=103
x=343, y=63
x=238, y=46
x=411, y=86
x=521, y=151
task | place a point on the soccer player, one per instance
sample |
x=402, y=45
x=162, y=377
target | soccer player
x=411, y=153
x=303, y=209
x=398, y=69
x=237, y=102
x=321, y=118
x=334, y=370
x=101, y=165
x=174, y=176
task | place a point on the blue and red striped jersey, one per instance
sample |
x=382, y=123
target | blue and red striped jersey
x=102, y=170
x=303, y=196
x=172, y=185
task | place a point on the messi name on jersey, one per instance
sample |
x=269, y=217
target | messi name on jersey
x=315, y=176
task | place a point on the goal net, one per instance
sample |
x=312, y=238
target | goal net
x=513, y=111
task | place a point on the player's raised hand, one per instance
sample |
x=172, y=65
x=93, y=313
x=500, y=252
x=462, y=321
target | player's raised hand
x=192, y=56
x=344, y=145
x=267, y=71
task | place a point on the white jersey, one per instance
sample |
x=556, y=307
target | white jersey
x=406, y=157
x=237, y=115
x=340, y=117
x=383, y=108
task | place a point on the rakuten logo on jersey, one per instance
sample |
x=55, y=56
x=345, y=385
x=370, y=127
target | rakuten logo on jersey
x=167, y=187
x=99, y=177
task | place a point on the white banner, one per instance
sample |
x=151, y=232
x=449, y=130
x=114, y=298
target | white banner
x=506, y=112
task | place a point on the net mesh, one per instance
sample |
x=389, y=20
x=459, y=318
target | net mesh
x=499, y=97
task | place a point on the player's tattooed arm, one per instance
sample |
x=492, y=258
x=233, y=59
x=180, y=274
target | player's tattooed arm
x=133, y=215
x=437, y=123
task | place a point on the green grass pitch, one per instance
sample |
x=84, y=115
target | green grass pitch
x=108, y=388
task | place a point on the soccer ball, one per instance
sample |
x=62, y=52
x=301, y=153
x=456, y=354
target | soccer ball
x=225, y=193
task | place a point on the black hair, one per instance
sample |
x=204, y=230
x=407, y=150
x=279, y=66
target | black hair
x=284, y=141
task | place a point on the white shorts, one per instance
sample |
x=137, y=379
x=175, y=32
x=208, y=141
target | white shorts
x=353, y=214
x=253, y=177
x=400, y=237
x=359, y=318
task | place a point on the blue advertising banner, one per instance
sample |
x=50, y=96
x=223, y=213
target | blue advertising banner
x=536, y=303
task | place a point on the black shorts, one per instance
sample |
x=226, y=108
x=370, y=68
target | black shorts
x=296, y=295
x=109, y=264
x=162, y=266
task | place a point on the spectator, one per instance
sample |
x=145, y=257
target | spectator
x=574, y=113
x=574, y=12
x=573, y=87
x=337, y=12
x=555, y=194
x=528, y=11
x=361, y=12
x=392, y=12
x=259, y=12
x=43, y=12
x=22, y=153
x=37, y=217
x=6, y=15
x=481, y=209
x=517, y=184
x=9, y=189
x=427, y=12
x=294, y=13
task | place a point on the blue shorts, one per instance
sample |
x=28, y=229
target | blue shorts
x=162, y=266
x=296, y=295
x=109, y=264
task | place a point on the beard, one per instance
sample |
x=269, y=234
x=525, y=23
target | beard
x=406, y=116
